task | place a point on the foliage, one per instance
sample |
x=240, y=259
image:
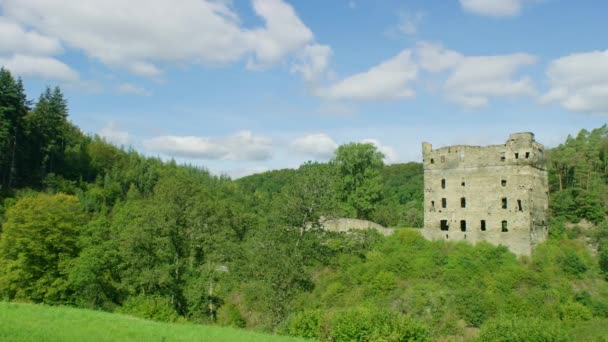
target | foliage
x=358, y=166
x=513, y=329
x=88, y=224
x=39, y=239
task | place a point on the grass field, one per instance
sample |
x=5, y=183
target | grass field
x=29, y=322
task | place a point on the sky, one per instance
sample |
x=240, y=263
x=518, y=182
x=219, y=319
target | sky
x=240, y=86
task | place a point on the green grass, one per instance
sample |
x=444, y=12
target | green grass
x=30, y=322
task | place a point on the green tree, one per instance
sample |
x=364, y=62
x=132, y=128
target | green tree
x=39, y=239
x=358, y=167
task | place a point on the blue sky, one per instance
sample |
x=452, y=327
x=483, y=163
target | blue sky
x=245, y=86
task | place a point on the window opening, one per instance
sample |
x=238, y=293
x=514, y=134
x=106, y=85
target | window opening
x=463, y=202
x=444, y=203
x=516, y=155
x=504, y=227
x=444, y=225
x=483, y=225
x=443, y=183
x=432, y=161
x=527, y=155
x=502, y=156
x=519, y=208
x=504, y=203
x=463, y=225
x=462, y=183
x=503, y=182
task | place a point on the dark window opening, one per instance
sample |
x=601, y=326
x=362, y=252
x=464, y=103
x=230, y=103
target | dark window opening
x=444, y=225
x=503, y=182
x=504, y=227
x=504, y=203
x=463, y=225
x=463, y=202
x=519, y=208
x=446, y=236
x=443, y=183
x=432, y=161
x=502, y=158
x=516, y=155
x=527, y=155
x=444, y=203
x=462, y=183
x=483, y=225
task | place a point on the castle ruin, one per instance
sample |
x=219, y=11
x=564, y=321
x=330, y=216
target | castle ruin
x=497, y=193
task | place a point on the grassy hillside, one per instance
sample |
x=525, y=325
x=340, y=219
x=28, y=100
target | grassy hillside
x=28, y=322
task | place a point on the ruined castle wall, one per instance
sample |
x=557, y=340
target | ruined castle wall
x=495, y=194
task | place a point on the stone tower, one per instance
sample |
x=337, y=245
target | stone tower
x=497, y=193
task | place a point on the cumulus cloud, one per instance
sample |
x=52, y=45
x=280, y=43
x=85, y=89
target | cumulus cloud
x=579, y=82
x=409, y=23
x=389, y=80
x=313, y=62
x=390, y=154
x=494, y=8
x=319, y=145
x=473, y=80
x=15, y=39
x=242, y=146
x=114, y=134
x=39, y=66
x=141, y=34
x=129, y=88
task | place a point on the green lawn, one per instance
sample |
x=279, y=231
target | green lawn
x=29, y=322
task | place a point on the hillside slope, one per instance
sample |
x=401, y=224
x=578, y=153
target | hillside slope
x=28, y=322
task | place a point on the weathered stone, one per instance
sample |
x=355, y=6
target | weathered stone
x=497, y=194
x=343, y=225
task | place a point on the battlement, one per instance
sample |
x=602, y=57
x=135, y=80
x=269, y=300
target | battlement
x=520, y=149
x=496, y=193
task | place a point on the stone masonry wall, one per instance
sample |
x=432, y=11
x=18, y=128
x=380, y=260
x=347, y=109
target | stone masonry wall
x=497, y=194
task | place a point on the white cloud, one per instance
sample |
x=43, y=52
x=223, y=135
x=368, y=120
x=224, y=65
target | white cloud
x=242, y=146
x=38, y=66
x=579, y=82
x=15, y=39
x=245, y=171
x=114, y=134
x=313, y=62
x=409, y=23
x=494, y=8
x=319, y=145
x=141, y=34
x=473, y=80
x=390, y=154
x=129, y=88
x=386, y=81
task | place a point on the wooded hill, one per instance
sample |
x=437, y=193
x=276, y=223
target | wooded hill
x=88, y=224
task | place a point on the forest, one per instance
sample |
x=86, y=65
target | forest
x=84, y=223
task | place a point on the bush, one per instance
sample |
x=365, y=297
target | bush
x=513, y=329
x=574, y=312
x=365, y=324
x=305, y=324
x=572, y=264
x=150, y=307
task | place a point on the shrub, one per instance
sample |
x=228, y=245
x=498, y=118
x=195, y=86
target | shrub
x=574, y=312
x=305, y=324
x=572, y=264
x=365, y=324
x=150, y=307
x=513, y=329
